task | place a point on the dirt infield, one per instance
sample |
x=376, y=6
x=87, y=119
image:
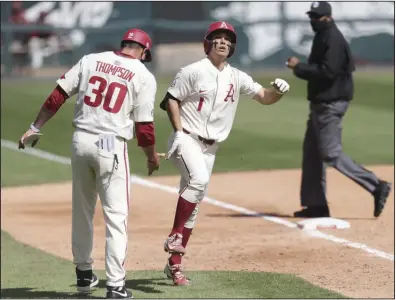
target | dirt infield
x=225, y=239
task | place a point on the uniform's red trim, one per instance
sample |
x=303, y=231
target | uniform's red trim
x=145, y=134
x=126, y=173
x=189, y=176
x=119, y=53
x=127, y=194
x=56, y=99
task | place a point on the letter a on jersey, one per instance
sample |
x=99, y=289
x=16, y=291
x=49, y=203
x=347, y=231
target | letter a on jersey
x=230, y=93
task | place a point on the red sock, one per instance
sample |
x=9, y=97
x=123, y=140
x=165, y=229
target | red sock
x=184, y=210
x=176, y=258
x=186, y=236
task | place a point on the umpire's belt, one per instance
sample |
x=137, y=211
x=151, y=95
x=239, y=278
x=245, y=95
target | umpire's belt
x=203, y=140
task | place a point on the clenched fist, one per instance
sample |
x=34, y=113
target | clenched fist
x=292, y=62
x=281, y=86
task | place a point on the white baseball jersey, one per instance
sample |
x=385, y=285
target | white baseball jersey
x=114, y=91
x=209, y=97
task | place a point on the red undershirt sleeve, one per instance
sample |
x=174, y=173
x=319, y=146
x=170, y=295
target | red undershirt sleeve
x=145, y=134
x=56, y=99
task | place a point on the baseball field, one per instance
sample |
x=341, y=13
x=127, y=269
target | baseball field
x=245, y=244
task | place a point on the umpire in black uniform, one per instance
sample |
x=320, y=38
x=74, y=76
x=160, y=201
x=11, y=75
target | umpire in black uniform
x=330, y=88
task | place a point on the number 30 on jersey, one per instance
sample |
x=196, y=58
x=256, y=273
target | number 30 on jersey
x=94, y=96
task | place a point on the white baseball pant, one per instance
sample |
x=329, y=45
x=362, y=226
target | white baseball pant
x=100, y=165
x=195, y=166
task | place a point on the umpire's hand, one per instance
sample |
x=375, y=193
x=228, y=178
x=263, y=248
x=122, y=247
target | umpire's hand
x=292, y=62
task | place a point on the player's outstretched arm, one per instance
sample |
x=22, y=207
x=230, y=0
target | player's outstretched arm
x=51, y=106
x=68, y=85
x=271, y=95
x=54, y=101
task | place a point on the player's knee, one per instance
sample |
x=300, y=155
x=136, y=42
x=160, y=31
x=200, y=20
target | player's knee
x=200, y=182
x=196, y=188
x=114, y=218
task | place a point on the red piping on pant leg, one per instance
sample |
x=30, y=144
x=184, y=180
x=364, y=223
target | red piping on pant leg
x=127, y=194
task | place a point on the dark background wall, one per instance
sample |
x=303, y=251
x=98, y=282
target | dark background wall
x=267, y=32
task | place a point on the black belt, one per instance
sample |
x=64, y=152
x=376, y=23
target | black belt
x=203, y=140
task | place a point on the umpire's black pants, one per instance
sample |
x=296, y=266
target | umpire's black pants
x=322, y=145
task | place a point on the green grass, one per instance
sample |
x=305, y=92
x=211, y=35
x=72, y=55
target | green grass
x=29, y=273
x=19, y=169
x=263, y=137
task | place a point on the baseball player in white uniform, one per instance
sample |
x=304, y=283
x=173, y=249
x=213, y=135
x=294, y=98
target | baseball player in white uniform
x=201, y=104
x=115, y=98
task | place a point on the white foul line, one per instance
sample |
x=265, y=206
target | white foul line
x=147, y=183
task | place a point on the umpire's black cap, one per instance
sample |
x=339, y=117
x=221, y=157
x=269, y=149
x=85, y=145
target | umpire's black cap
x=320, y=8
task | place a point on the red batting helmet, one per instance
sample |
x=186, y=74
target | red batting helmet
x=219, y=26
x=140, y=37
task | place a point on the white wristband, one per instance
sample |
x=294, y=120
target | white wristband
x=32, y=127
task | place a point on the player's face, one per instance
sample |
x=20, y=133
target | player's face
x=221, y=44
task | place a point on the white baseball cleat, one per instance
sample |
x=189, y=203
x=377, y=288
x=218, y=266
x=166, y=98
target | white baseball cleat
x=173, y=244
x=175, y=273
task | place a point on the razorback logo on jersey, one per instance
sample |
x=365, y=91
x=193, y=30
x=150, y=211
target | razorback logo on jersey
x=230, y=93
x=62, y=77
x=174, y=82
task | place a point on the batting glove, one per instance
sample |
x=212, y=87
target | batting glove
x=31, y=136
x=176, y=145
x=281, y=86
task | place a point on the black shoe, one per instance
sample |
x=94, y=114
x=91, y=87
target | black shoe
x=118, y=292
x=380, y=194
x=86, y=280
x=313, y=212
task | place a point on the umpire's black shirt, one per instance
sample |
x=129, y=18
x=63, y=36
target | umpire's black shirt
x=329, y=68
